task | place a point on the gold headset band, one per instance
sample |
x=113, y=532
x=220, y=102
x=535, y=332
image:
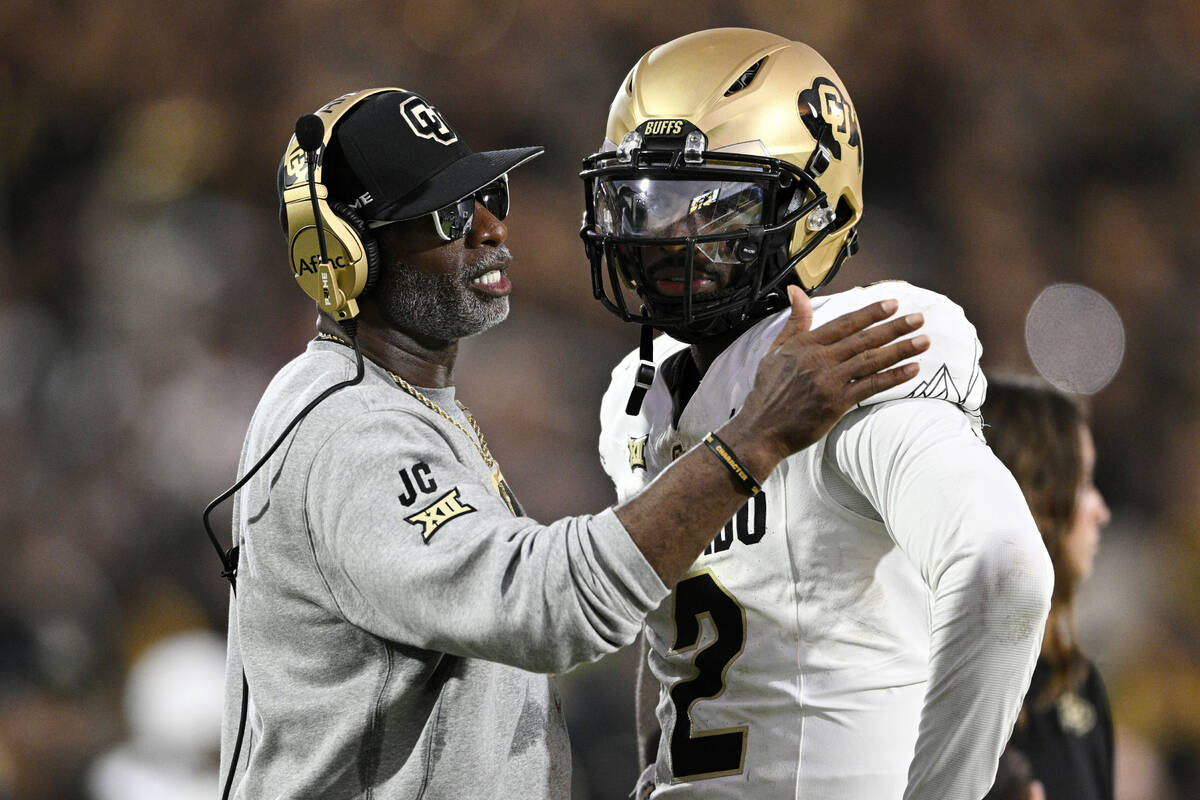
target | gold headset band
x=331, y=113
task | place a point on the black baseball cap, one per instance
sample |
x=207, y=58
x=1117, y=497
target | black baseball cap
x=394, y=156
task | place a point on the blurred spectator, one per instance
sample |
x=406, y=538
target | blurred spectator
x=1065, y=727
x=1014, y=779
x=173, y=712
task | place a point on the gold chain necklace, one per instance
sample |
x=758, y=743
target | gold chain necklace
x=476, y=440
x=498, y=482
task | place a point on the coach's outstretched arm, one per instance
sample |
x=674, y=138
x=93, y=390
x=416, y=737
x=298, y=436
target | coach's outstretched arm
x=806, y=382
x=548, y=597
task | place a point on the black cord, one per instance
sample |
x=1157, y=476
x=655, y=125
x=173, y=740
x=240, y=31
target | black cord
x=237, y=747
x=229, y=558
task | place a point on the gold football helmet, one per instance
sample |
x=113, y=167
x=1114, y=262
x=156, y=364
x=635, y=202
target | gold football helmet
x=728, y=151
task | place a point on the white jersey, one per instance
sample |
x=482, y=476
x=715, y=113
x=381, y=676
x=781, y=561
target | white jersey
x=883, y=597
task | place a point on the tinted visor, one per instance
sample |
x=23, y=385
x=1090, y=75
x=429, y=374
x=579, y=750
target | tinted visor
x=660, y=208
x=454, y=221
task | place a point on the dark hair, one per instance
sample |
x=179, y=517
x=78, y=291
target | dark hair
x=1035, y=430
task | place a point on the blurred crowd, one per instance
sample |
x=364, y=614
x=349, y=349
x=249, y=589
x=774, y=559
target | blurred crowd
x=145, y=302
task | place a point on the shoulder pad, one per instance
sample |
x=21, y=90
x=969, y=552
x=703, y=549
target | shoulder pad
x=950, y=368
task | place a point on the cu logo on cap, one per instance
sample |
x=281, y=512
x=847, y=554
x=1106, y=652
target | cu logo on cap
x=426, y=121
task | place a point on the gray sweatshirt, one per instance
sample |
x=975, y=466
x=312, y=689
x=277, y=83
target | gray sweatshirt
x=392, y=614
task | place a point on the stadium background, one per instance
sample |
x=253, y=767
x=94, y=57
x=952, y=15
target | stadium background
x=146, y=302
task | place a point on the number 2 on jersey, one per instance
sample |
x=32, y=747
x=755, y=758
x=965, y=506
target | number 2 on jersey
x=696, y=755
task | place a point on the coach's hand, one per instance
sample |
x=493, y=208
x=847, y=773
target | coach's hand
x=805, y=383
x=811, y=377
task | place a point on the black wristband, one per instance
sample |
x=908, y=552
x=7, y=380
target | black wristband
x=731, y=462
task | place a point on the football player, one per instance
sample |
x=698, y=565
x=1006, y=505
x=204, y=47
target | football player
x=866, y=625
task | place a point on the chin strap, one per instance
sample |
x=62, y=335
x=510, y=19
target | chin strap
x=849, y=248
x=645, y=372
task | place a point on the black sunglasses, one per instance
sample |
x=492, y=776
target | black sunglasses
x=454, y=221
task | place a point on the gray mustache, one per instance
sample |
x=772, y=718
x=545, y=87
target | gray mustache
x=492, y=258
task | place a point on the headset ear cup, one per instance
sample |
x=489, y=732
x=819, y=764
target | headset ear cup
x=369, y=245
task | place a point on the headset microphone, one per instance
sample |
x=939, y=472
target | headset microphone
x=310, y=135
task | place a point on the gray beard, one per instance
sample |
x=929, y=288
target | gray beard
x=440, y=307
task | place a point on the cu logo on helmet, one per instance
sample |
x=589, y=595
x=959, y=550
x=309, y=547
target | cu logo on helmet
x=830, y=118
x=426, y=121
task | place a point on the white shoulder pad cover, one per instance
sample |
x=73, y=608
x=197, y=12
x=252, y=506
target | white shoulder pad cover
x=949, y=368
x=618, y=429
